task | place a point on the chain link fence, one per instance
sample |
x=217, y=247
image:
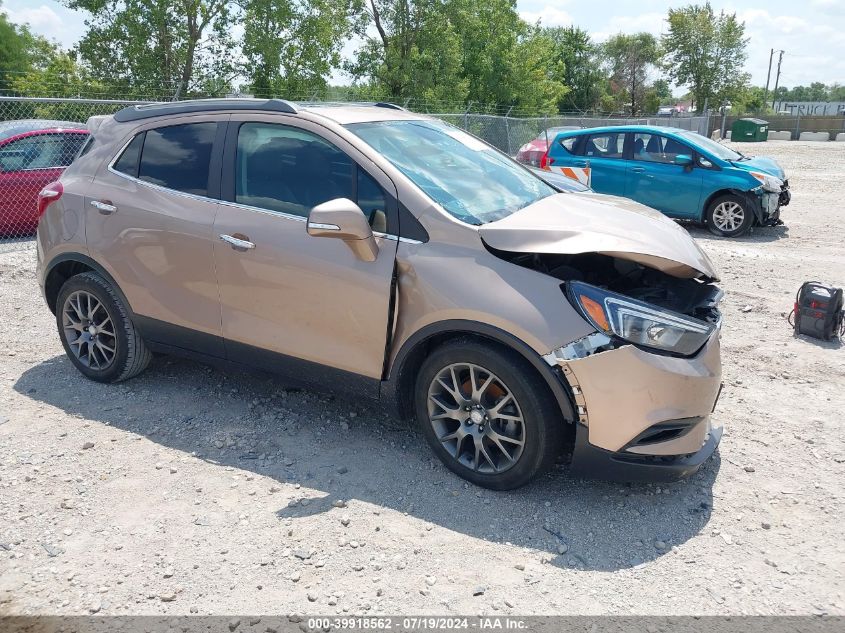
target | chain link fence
x=39, y=137
x=508, y=134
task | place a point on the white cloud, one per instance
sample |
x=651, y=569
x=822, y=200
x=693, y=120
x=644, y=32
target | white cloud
x=653, y=23
x=548, y=16
x=42, y=19
x=808, y=46
x=48, y=18
x=829, y=6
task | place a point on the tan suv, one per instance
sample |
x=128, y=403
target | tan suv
x=375, y=252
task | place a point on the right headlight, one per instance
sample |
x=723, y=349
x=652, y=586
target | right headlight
x=770, y=183
x=639, y=322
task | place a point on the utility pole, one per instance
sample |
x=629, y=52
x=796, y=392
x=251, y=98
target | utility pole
x=777, y=79
x=768, y=76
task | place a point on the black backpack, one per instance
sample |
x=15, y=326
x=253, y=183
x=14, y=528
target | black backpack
x=818, y=311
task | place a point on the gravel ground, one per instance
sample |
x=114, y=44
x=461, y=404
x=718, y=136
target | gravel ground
x=190, y=490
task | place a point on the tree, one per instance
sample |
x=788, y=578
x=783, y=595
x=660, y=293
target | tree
x=21, y=51
x=630, y=58
x=291, y=46
x=751, y=100
x=504, y=60
x=706, y=52
x=458, y=51
x=411, y=50
x=578, y=60
x=143, y=46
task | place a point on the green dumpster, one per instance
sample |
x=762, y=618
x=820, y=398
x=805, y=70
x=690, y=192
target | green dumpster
x=750, y=130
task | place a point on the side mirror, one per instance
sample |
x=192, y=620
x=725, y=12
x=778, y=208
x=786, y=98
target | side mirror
x=684, y=160
x=343, y=219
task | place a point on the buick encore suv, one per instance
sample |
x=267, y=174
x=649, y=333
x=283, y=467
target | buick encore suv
x=386, y=255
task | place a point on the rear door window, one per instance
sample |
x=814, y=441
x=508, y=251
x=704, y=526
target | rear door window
x=178, y=157
x=608, y=145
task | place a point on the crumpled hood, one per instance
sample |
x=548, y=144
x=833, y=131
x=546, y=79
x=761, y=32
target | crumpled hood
x=596, y=223
x=761, y=163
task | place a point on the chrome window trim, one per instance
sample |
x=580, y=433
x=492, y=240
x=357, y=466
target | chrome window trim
x=229, y=203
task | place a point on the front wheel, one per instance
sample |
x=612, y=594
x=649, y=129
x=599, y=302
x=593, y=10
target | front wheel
x=729, y=216
x=487, y=414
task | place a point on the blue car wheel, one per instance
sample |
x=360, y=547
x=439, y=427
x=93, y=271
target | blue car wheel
x=729, y=216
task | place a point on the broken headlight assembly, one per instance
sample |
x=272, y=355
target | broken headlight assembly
x=770, y=183
x=639, y=322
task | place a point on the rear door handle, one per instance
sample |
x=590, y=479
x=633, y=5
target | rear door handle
x=105, y=207
x=237, y=242
x=580, y=163
x=638, y=170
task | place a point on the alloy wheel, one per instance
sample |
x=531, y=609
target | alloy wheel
x=728, y=216
x=476, y=418
x=88, y=330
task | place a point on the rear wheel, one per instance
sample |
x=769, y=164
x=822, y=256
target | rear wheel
x=487, y=414
x=729, y=216
x=96, y=331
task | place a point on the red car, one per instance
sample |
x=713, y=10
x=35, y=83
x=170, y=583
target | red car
x=533, y=151
x=33, y=153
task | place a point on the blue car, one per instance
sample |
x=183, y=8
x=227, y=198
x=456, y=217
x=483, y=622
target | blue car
x=681, y=173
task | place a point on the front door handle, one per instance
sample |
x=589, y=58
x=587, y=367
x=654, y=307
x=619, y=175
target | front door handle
x=105, y=207
x=238, y=241
x=638, y=170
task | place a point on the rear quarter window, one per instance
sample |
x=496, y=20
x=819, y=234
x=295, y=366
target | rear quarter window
x=569, y=143
x=127, y=162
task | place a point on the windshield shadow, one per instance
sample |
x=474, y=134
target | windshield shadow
x=343, y=450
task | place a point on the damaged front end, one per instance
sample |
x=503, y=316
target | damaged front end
x=645, y=382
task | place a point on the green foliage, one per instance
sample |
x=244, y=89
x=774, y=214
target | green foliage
x=146, y=48
x=437, y=51
x=630, y=58
x=816, y=91
x=21, y=51
x=291, y=46
x=415, y=52
x=750, y=100
x=578, y=62
x=706, y=52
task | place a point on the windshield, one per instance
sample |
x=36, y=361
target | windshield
x=717, y=149
x=472, y=181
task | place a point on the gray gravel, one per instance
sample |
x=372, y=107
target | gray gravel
x=191, y=490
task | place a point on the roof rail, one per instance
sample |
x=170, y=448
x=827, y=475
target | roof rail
x=146, y=111
x=391, y=106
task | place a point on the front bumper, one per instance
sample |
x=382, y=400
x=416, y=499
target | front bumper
x=769, y=204
x=644, y=413
x=589, y=461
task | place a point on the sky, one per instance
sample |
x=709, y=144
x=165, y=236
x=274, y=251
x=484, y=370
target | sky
x=811, y=32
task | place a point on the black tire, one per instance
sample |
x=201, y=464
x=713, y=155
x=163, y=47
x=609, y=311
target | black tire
x=723, y=227
x=541, y=417
x=130, y=356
